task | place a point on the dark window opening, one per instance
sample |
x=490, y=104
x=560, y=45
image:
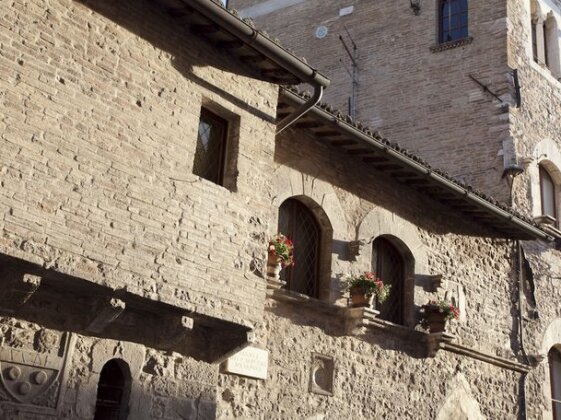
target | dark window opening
x=547, y=194
x=298, y=223
x=535, y=41
x=389, y=266
x=555, y=379
x=453, y=16
x=211, y=147
x=546, y=30
x=111, y=393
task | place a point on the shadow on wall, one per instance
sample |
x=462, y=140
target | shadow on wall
x=150, y=21
x=60, y=375
x=401, y=339
x=301, y=152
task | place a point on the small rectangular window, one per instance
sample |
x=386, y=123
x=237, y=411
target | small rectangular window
x=210, y=153
x=453, y=20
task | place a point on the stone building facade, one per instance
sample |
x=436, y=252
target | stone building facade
x=125, y=267
x=485, y=105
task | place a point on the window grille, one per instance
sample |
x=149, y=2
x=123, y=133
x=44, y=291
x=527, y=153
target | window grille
x=547, y=193
x=389, y=266
x=110, y=392
x=211, y=147
x=453, y=20
x=299, y=224
x=555, y=379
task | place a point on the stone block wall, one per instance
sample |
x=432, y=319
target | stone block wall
x=535, y=129
x=100, y=107
x=423, y=100
x=385, y=373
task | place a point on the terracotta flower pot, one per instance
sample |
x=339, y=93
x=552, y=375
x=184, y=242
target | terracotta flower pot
x=360, y=297
x=274, y=267
x=435, y=319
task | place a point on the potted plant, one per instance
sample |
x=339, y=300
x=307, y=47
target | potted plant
x=436, y=313
x=364, y=287
x=280, y=255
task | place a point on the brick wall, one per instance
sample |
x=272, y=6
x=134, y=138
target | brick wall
x=100, y=111
x=423, y=100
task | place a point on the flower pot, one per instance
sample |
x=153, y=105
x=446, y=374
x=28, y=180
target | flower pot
x=274, y=267
x=360, y=297
x=434, y=319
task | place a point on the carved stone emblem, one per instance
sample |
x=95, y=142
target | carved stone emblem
x=25, y=374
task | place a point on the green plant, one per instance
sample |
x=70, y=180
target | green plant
x=283, y=249
x=371, y=285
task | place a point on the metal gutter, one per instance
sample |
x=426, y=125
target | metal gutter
x=252, y=37
x=451, y=186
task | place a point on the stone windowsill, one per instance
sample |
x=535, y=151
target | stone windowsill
x=545, y=71
x=451, y=44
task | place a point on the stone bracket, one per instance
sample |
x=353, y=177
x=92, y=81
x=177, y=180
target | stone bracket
x=233, y=346
x=105, y=313
x=435, y=341
x=358, y=318
x=17, y=291
x=354, y=249
x=175, y=330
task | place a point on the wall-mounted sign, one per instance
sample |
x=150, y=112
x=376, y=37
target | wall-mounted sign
x=251, y=362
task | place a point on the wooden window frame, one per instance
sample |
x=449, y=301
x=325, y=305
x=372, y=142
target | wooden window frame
x=296, y=205
x=553, y=352
x=399, y=297
x=543, y=171
x=207, y=115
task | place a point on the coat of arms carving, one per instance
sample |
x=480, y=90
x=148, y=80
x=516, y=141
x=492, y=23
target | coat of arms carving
x=31, y=373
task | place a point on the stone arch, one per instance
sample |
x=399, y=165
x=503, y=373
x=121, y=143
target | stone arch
x=115, y=377
x=381, y=223
x=103, y=351
x=325, y=244
x=551, y=339
x=547, y=155
x=316, y=194
x=288, y=183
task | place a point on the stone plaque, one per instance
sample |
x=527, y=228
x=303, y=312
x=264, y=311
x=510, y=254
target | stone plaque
x=251, y=362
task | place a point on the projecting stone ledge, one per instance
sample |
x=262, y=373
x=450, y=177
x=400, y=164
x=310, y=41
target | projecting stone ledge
x=73, y=304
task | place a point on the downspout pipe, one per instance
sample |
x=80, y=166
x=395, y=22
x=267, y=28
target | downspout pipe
x=520, y=263
x=352, y=131
x=301, y=110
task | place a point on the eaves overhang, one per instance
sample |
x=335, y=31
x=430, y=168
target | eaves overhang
x=223, y=28
x=352, y=138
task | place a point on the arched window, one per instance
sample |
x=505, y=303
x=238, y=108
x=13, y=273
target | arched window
x=453, y=20
x=298, y=223
x=547, y=193
x=112, y=391
x=554, y=358
x=389, y=266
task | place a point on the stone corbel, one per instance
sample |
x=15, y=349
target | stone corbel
x=355, y=249
x=357, y=318
x=436, y=282
x=175, y=330
x=226, y=346
x=434, y=342
x=17, y=291
x=105, y=312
